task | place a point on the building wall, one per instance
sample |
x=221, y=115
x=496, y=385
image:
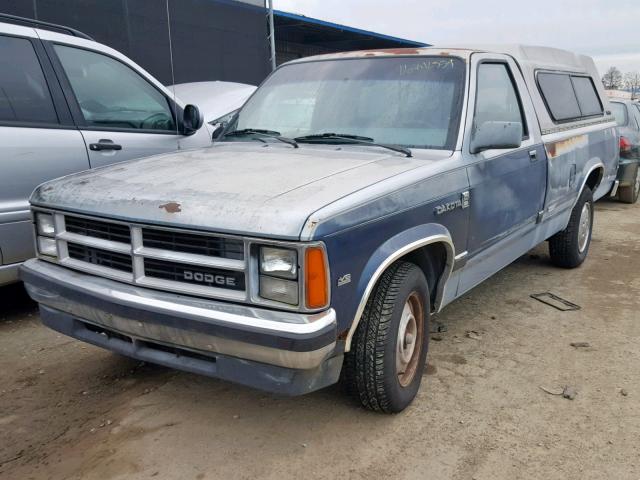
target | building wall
x=211, y=39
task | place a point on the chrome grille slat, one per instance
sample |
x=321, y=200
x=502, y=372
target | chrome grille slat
x=95, y=242
x=191, y=259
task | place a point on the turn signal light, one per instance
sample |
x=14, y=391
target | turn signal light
x=315, y=276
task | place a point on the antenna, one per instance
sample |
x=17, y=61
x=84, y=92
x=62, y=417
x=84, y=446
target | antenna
x=272, y=37
x=173, y=77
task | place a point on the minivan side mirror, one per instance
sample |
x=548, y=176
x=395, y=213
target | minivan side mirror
x=192, y=120
x=498, y=135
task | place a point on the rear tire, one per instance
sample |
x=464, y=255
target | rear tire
x=569, y=248
x=384, y=367
x=630, y=194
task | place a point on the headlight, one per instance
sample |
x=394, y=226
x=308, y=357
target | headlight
x=279, y=262
x=47, y=246
x=278, y=289
x=45, y=224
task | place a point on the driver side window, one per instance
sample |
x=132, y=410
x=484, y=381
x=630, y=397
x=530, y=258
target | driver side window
x=112, y=95
x=497, y=99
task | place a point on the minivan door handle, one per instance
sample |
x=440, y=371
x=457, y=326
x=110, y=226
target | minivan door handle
x=533, y=155
x=104, y=144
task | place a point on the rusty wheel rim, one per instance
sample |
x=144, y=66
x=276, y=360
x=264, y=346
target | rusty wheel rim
x=409, y=341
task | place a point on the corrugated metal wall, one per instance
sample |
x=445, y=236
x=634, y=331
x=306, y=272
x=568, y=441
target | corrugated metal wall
x=211, y=39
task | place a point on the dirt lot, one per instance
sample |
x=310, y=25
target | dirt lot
x=70, y=410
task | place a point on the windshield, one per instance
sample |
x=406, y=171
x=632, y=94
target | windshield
x=408, y=101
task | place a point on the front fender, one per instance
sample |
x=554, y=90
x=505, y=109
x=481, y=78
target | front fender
x=393, y=249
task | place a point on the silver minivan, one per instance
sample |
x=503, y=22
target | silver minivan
x=67, y=104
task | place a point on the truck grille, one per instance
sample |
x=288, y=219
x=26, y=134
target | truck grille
x=103, y=258
x=206, y=265
x=98, y=229
x=190, y=243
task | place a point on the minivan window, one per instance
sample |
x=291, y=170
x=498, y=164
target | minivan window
x=619, y=111
x=408, y=101
x=587, y=96
x=111, y=94
x=24, y=94
x=559, y=96
x=497, y=99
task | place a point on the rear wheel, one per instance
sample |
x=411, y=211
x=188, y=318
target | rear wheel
x=384, y=368
x=630, y=193
x=569, y=248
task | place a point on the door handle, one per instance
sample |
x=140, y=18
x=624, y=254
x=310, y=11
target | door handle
x=533, y=155
x=104, y=144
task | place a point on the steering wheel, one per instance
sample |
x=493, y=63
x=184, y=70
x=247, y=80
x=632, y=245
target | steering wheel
x=156, y=121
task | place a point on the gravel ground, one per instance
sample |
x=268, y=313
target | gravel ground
x=74, y=411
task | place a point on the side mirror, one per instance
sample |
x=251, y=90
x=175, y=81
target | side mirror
x=496, y=135
x=192, y=120
x=218, y=131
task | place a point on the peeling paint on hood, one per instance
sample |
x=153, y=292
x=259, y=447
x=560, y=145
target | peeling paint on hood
x=249, y=188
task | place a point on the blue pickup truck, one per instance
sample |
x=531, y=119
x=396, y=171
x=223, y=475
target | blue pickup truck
x=353, y=197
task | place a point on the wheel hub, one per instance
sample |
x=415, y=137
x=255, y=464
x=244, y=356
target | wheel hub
x=409, y=345
x=584, y=227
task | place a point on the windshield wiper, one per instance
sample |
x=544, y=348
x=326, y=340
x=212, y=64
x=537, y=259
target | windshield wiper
x=260, y=131
x=357, y=139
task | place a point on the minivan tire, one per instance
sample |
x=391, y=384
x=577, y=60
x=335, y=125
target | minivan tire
x=382, y=370
x=629, y=194
x=569, y=248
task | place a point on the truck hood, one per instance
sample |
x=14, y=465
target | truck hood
x=265, y=190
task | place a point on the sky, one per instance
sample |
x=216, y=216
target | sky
x=607, y=30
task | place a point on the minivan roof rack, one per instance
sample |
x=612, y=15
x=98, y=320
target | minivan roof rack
x=30, y=22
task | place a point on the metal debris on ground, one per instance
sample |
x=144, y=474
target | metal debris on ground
x=557, y=391
x=567, y=392
x=580, y=344
x=624, y=392
x=555, y=301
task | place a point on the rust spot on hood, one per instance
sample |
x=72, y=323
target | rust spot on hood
x=171, y=207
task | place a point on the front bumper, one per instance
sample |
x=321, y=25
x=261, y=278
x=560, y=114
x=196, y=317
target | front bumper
x=276, y=351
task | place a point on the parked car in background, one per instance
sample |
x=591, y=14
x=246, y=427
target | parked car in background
x=353, y=196
x=627, y=115
x=67, y=104
x=217, y=101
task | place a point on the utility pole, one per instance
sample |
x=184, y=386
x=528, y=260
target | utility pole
x=272, y=36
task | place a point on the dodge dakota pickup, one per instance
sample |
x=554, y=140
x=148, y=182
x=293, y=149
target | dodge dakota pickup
x=353, y=197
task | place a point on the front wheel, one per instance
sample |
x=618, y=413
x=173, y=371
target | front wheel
x=569, y=248
x=384, y=367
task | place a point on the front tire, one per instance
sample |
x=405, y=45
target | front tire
x=569, y=248
x=630, y=193
x=384, y=367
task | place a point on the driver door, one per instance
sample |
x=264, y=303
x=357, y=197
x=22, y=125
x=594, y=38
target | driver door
x=120, y=114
